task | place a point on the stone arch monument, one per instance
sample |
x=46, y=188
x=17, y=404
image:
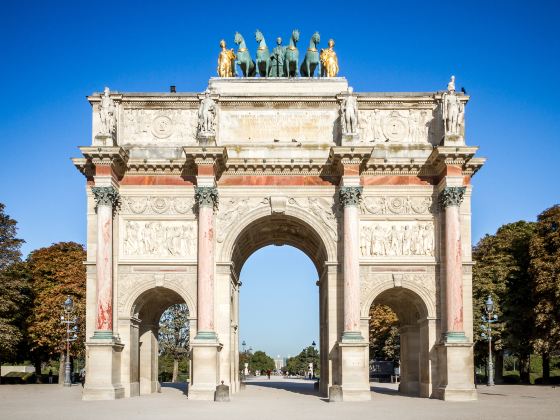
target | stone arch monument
x=183, y=187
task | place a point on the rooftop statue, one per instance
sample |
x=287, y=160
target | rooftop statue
x=329, y=61
x=291, y=58
x=244, y=60
x=226, y=61
x=263, y=55
x=311, y=60
x=453, y=110
x=277, y=59
x=107, y=114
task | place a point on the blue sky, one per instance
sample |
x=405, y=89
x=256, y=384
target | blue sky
x=506, y=54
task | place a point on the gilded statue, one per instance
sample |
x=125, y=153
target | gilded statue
x=329, y=61
x=226, y=61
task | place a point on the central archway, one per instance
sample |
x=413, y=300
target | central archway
x=300, y=231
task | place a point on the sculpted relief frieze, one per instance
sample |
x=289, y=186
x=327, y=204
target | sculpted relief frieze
x=397, y=239
x=322, y=209
x=158, y=238
x=232, y=209
x=396, y=205
x=156, y=205
x=143, y=126
x=402, y=126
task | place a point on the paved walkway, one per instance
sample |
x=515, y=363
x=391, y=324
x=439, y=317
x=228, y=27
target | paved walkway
x=278, y=399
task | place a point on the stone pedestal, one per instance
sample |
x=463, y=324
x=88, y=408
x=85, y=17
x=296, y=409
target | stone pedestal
x=456, y=371
x=355, y=372
x=205, y=369
x=349, y=139
x=206, y=138
x=103, y=378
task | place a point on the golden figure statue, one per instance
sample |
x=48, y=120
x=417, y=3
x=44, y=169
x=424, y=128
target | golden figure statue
x=329, y=61
x=226, y=61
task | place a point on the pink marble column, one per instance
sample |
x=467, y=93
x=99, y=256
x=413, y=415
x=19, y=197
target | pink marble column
x=106, y=198
x=207, y=199
x=349, y=197
x=450, y=200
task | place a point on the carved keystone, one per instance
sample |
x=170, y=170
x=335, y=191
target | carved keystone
x=278, y=204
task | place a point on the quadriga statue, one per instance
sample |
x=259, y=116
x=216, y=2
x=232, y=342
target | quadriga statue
x=244, y=60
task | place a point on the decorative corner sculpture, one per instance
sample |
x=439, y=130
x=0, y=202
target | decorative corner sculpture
x=226, y=61
x=453, y=115
x=329, y=61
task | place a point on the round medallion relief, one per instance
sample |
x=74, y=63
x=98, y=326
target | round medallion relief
x=162, y=127
x=395, y=128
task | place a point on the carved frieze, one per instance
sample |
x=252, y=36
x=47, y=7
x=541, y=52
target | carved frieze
x=396, y=205
x=397, y=239
x=396, y=126
x=322, y=208
x=143, y=126
x=157, y=205
x=232, y=209
x=147, y=239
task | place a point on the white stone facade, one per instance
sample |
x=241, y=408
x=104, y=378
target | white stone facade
x=365, y=207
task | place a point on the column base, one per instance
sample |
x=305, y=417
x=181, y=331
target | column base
x=456, y=372
x=355, y=368
x=455, y=337
x=204, y=367
x=103, y=373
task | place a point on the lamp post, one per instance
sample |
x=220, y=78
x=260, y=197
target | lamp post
x=71, y=335
x=489, y=319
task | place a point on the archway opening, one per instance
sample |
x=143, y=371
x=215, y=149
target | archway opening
x=282, y=299
x=162, y=336
x=399, y=349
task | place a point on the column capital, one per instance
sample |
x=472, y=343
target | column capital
x=451, y=196
x=105, y=196
x=350, y=196
x=206, y=197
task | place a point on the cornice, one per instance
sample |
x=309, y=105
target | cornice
x=461, y=156
x=115, y=156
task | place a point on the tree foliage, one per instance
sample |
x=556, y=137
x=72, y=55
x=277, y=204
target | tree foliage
x=502, y=271
x=384, y=338
x=545, y=269
x=261, y=361
x=299, y=365
x=56, y=272
x=174, y=335
x=14, y=290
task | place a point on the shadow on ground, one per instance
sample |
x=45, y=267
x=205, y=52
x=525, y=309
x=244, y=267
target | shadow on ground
x=305, y=388
x=181, y=386
x=392, y=392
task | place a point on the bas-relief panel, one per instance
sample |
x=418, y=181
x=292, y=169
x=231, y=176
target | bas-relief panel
x=151, y=205
x=268, y=125
x=148, y=126
x=156, y=239
x=397, y=205
x=396, y=126
x=397, y=239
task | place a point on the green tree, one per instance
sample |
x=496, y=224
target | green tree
x=174, y=335
x=261, y=361
x=545, y=268
x=502, y=271
x=299, y=365
x=384, y=338
x=56, y=272
x=14, y=292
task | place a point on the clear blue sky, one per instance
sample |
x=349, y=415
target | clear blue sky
x=505, y=53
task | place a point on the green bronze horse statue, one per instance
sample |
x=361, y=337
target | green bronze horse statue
x=263, y=55
x=244, y=61
x=291, y=58
x=311, y=60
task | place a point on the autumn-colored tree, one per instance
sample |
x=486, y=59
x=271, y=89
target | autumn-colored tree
x=174, y=335
x=502, y=271
x=384, y=338
x=14, y=295
x=56, y=272
x=545, y=268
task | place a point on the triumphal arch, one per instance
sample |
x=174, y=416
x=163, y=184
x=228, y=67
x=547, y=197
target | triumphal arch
x=374, y=187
